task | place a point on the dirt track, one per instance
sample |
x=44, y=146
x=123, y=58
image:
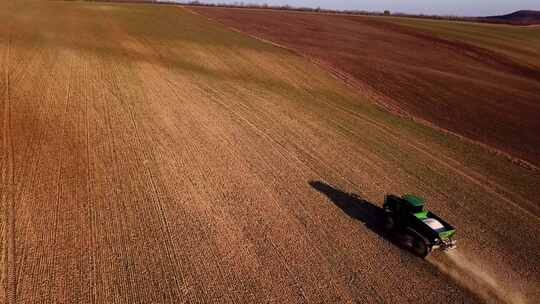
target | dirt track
x=149, y=155
x=478, y=92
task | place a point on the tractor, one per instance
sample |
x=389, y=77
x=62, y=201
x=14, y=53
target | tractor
x=416, y=229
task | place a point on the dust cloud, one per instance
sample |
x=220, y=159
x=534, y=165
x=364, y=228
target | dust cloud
x=476, y=278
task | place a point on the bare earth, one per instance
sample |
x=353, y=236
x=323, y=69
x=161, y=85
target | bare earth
x=487, y=92
x=149, y=155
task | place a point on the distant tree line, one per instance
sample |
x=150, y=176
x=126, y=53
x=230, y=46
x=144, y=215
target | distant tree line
x=278, y=7
x=248, y=5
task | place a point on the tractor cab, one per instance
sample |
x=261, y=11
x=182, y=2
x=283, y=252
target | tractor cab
x=407, y=204
x=413, y=203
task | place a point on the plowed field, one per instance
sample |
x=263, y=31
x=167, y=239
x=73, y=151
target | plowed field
x=480, y=81
x=149, y=155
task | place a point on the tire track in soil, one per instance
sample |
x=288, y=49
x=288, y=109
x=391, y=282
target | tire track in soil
x=93, y=165
x=8, y=195
x=3, y=170
x=90, y=203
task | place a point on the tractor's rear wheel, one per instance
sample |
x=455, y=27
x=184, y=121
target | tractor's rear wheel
x=420, y=246
x=389, y=222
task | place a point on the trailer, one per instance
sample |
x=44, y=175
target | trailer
x=419, y=230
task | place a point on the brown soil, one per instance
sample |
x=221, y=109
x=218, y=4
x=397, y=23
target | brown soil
x=151, y=156
x=474, y=92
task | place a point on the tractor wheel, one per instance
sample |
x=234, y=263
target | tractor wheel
x=389, y=222
x=420, y=246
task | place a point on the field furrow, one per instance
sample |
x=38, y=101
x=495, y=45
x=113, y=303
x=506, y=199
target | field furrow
x=150, y=155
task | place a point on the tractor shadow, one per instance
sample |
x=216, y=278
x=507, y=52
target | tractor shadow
x=371, y=215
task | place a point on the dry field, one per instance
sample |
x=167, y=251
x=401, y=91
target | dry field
x=480, y=81
x=149, y=155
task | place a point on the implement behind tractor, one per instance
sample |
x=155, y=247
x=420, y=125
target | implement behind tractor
x=417, y=229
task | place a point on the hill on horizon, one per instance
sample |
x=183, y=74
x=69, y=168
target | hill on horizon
x=523, y=17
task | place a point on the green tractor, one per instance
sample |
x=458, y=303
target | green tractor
x=417, y=229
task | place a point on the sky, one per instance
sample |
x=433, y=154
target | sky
x=431, y=7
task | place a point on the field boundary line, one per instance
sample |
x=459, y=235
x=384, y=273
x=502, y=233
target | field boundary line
x=377, y=97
